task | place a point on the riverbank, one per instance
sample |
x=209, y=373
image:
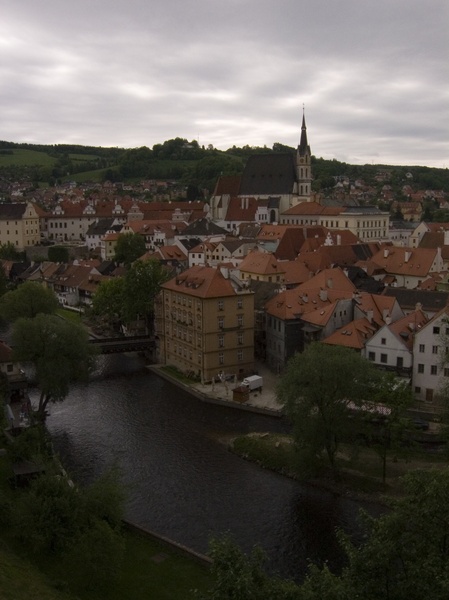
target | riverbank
x=360, y=475
x=261, y=401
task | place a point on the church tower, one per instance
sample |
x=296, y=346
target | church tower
x=304, y=166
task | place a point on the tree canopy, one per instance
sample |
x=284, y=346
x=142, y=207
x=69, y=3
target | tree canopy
x=131, y=297
x=59, y=351
x=130, y=247
x=320, y=389
x=28, y=300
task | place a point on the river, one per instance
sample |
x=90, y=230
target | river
x=179, y=477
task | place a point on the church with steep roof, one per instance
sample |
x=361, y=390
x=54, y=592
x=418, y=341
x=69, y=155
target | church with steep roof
x=278, y=181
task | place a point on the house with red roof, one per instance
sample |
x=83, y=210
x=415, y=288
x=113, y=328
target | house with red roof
x=391, y=346
x=205, y=325
x=308, y=312
x=408, y=267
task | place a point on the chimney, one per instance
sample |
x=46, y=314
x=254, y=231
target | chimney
x=407, y=256
x=338, y=239
x=446, y=237
x=370, y=315
x=386, y=252
x=330, y=283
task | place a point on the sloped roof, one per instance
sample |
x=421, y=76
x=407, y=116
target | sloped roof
x=353, y=335
x=203, y=282
x=12, y=210
x=404, y=261
x=330, y=279
x=241, y=209
x=405, y=328
x=295, y=272
x=408, y=299
x=202, y=227
x=261, y=263
x=268, y=174
x=380, y=306
x=227, y=184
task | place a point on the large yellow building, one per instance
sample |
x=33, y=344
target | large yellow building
x=19, y=224
x=204, y=325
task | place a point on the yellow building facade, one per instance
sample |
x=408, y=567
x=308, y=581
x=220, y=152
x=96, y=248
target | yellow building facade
x=205, y=326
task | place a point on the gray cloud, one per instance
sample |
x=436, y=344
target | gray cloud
x=373, y=75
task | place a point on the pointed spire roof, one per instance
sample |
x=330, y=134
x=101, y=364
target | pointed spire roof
x=303, y=147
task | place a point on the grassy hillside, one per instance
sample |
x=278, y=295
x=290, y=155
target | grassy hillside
x=29, y=158
x=20, y=580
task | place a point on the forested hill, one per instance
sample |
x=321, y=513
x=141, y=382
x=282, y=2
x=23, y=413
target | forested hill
x=184, y=161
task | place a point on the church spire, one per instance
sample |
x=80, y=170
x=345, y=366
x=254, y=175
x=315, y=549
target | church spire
x=303, y=147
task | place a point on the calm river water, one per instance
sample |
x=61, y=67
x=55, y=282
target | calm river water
x=180, y=479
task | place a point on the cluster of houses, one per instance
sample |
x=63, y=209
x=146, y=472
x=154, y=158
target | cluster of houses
x=260, y=271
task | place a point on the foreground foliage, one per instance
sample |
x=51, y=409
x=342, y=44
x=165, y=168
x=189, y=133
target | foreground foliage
x=28, y=300
x=405, y=555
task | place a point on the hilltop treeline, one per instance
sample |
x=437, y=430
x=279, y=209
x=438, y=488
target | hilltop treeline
x=185, y=161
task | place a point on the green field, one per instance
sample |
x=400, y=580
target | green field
x=26, y=158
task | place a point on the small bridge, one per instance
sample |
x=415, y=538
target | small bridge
x=137, y=343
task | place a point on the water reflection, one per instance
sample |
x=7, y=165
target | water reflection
x=179, y=477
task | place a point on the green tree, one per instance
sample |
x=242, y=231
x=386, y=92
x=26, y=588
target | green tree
x=242, y=577
x=4, y=283
x=406, y=552
x=58, y=254
x=386, y=434
x=59, y=351
x=28, y=300
x=9, y=252
x=109, y=300
x=49, y=515
x=319, y=390
x=130, y=247
x=142, y=284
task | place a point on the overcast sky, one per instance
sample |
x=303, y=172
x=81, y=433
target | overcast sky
x=373, y=75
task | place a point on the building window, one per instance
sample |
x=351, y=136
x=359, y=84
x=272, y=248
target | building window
x=240, y=339
x=239, y=355
x=220, y=322
x=446, y=371
x=239, y=302
x=417, y=389
x=433, y=370
x=436, y=330
x=422, y=348
x=220, y=305
x=221, y=341
x=221, y=358
x=434, y=349
x=383, y=358
x=420, y=368
x=372, y=356
x=10, y=367
x=383, y=341
x=240, y=320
